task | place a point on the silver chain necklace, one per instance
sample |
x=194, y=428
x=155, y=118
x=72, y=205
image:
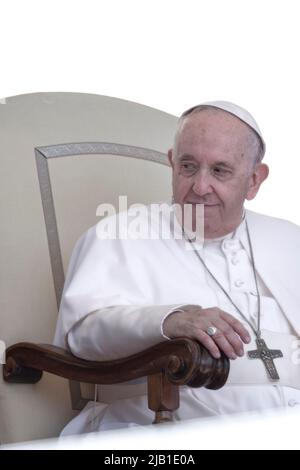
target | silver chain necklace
x=262, y=352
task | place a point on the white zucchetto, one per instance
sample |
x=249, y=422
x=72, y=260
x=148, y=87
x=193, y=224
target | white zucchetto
x=237, y=111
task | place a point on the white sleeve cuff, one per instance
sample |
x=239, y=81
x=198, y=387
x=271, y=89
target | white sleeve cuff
x=176, y=309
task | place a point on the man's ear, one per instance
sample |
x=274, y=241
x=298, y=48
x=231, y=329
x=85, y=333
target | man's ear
x=260, y=173
x=170, y=157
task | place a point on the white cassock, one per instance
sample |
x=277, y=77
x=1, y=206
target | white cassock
x=118, y=292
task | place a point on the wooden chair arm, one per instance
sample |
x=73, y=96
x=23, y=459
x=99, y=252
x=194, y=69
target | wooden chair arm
x=167, y=365
x=184, y=361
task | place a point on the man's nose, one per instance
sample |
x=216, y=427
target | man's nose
x=202, y=183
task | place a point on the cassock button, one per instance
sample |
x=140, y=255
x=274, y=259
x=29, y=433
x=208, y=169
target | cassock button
x=239, y=283
x=235, y=261
x=232, y=245
x=229, y=244
x=292, y=402
x=226, y=244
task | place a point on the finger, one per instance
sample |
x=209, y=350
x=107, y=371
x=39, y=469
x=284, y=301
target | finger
x=223, y=344
x=232, y=337
x=210, y=345
x=237, y=326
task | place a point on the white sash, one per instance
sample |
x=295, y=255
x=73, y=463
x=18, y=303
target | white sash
x=245, y=371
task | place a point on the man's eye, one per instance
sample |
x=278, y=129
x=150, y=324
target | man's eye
x=188, y=167
x=221, y=172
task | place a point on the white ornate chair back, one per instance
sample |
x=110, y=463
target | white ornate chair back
x=62, y=154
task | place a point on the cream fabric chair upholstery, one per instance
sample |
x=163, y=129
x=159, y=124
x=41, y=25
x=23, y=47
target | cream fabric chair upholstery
x=79, y=185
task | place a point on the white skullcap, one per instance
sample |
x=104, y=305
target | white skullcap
x=237, y=111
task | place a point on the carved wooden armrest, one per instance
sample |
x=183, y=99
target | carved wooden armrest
x=167, y=365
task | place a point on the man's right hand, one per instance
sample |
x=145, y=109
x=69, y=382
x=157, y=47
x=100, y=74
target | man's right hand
x=194, y=321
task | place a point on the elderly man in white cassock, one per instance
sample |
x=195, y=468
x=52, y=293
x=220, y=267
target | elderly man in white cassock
x=236, y=292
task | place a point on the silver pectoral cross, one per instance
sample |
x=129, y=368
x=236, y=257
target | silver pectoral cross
x=266, y=355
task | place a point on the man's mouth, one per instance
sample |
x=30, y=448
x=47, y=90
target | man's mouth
x=202, y=203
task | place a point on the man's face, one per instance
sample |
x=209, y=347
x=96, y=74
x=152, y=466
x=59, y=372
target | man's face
x=213, y=164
